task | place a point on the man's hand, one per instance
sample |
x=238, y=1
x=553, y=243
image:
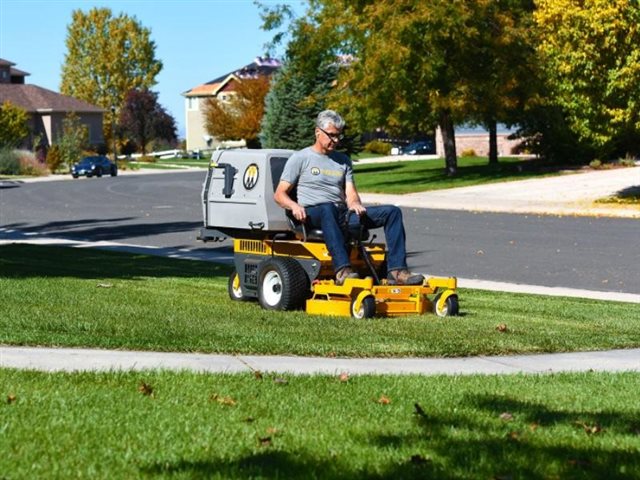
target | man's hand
x=299, y=213
x=358, y=208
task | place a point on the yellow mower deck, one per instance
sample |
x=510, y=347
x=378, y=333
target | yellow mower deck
x=390, y=300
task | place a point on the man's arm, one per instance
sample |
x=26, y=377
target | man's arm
x=353, y=199
x=282, y=198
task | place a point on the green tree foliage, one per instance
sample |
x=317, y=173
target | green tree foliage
x=238, y=118
x=143, y=119
x=301, y=88
x=295, y=98
x=414, y=64
x=503, y=74
x=107, y=57
x=74, y=139
x=591, y=55
x=54, y=159
x=13, y=125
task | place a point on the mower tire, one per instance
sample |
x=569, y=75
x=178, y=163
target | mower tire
x=282, y=284
x=234, y=289
x=367, y=308
x=449, y=308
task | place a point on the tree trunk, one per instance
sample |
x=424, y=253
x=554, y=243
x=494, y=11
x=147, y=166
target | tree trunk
x=493, y=142
x=449, y=141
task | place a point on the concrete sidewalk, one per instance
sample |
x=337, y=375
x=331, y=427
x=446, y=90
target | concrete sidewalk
x=73, y=360
x=568, y=194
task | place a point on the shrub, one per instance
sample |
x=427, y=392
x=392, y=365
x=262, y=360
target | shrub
x=376, y=146
x=54, y=159
x=627, y=162
x=595, y=164
x=468, y=152
x=29, y=164
x=9, y=162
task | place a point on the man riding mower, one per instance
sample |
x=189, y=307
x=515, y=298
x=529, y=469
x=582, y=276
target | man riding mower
x=286, y=265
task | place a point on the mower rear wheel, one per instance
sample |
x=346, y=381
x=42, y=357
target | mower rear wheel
x=234, y=289
x=282, y=284
x=450, y=307
x=367, y=308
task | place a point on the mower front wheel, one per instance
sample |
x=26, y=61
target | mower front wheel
x=367, y=308
x=234, y=289
x=448, y=308
x=282, y=284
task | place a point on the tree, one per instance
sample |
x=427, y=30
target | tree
x=74, y=138
x=409, y=71
x=239, y=117
x=144, y=119
x=13, y=125
x=295, y=98
x=106, y=58
x=590, y=50
x=301, y=88
x=503, y=73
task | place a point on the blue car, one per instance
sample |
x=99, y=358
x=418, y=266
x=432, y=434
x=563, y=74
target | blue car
x=423, y=147
x=97, y=165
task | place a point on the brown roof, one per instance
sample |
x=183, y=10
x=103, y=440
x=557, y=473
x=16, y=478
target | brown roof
x=259, y=67
x=33, y=98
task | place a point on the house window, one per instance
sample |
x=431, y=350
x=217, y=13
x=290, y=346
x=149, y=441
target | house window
x=192, y=103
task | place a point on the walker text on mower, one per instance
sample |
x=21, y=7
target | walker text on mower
x=287, y=266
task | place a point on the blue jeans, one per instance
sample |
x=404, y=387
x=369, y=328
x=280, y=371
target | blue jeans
x=330, y=218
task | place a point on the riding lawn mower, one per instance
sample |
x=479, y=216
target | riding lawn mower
x=286, y=265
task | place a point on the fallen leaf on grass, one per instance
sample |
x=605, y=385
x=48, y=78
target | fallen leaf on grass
x=146, y=389
x=344, y=377
x=384, y=400
x=506, y=416
x=502, y=328
x=265, y=441
x=11, y=398
x=513, y=435
x=230, y=402
x=104, y=285
x=590, y=429
x=257, y=374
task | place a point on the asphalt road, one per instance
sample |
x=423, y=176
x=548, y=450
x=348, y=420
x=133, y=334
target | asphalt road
x=164, y=210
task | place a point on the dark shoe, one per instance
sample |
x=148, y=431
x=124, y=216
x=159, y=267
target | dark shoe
x=345, y=273
x=404, y=277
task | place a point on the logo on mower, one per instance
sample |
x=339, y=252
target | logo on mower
x=250, y=178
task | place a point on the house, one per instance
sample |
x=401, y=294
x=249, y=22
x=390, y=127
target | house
x=476, y=138
x=47, y=109
x=222, y=88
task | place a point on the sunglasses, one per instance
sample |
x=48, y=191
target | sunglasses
x=335, y=137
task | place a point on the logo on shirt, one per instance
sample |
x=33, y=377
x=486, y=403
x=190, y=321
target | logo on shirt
x=250, y=178
x=315, y=171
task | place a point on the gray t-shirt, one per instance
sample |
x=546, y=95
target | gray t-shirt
x=318, y=178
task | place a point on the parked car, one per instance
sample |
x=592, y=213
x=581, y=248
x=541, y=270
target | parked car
x=422, y=147
x=97, y=165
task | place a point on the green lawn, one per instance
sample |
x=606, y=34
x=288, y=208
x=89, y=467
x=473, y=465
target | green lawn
x=422, y=175
x=186, y=425
x=82, y=297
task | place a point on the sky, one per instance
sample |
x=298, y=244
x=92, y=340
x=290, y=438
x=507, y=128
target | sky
x=196, y=40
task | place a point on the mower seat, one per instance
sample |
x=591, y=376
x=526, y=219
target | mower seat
x=356, y=233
